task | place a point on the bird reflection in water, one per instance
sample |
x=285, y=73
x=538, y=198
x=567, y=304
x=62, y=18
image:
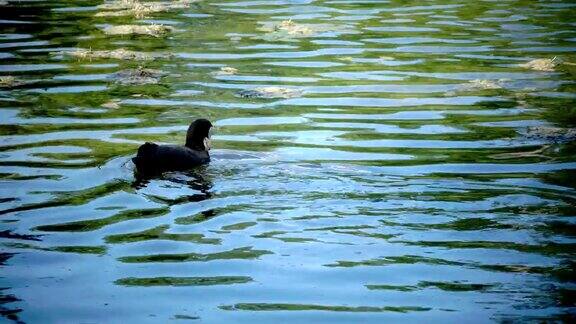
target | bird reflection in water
x=196, y=179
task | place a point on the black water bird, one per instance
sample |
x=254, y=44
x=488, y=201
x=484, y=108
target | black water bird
x=154, y=159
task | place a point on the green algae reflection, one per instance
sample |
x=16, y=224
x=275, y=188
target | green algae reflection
x=183, y=281
x=95, y=224
x=159, y=233
x=245, y=253
x=305, y=307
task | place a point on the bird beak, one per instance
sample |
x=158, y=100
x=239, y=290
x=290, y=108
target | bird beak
x=207, y=144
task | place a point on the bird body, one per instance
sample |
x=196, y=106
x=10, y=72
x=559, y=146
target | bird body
x=153, y=158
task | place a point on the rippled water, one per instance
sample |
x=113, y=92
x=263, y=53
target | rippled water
x=396, y=170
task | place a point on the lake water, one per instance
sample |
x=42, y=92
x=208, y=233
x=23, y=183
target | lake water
x=374, y=161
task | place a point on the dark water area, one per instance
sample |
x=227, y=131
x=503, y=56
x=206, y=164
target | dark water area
x=374, y=161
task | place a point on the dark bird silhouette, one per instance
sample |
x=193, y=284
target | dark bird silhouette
x=154, y=159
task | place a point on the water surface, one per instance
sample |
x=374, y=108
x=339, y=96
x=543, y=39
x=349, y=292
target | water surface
x=384, y=184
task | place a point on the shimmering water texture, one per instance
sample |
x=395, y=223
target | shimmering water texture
x=375, y=161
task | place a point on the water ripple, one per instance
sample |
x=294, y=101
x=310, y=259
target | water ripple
x=374, y=161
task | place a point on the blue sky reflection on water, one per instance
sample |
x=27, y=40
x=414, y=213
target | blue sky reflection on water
x=373, y=161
